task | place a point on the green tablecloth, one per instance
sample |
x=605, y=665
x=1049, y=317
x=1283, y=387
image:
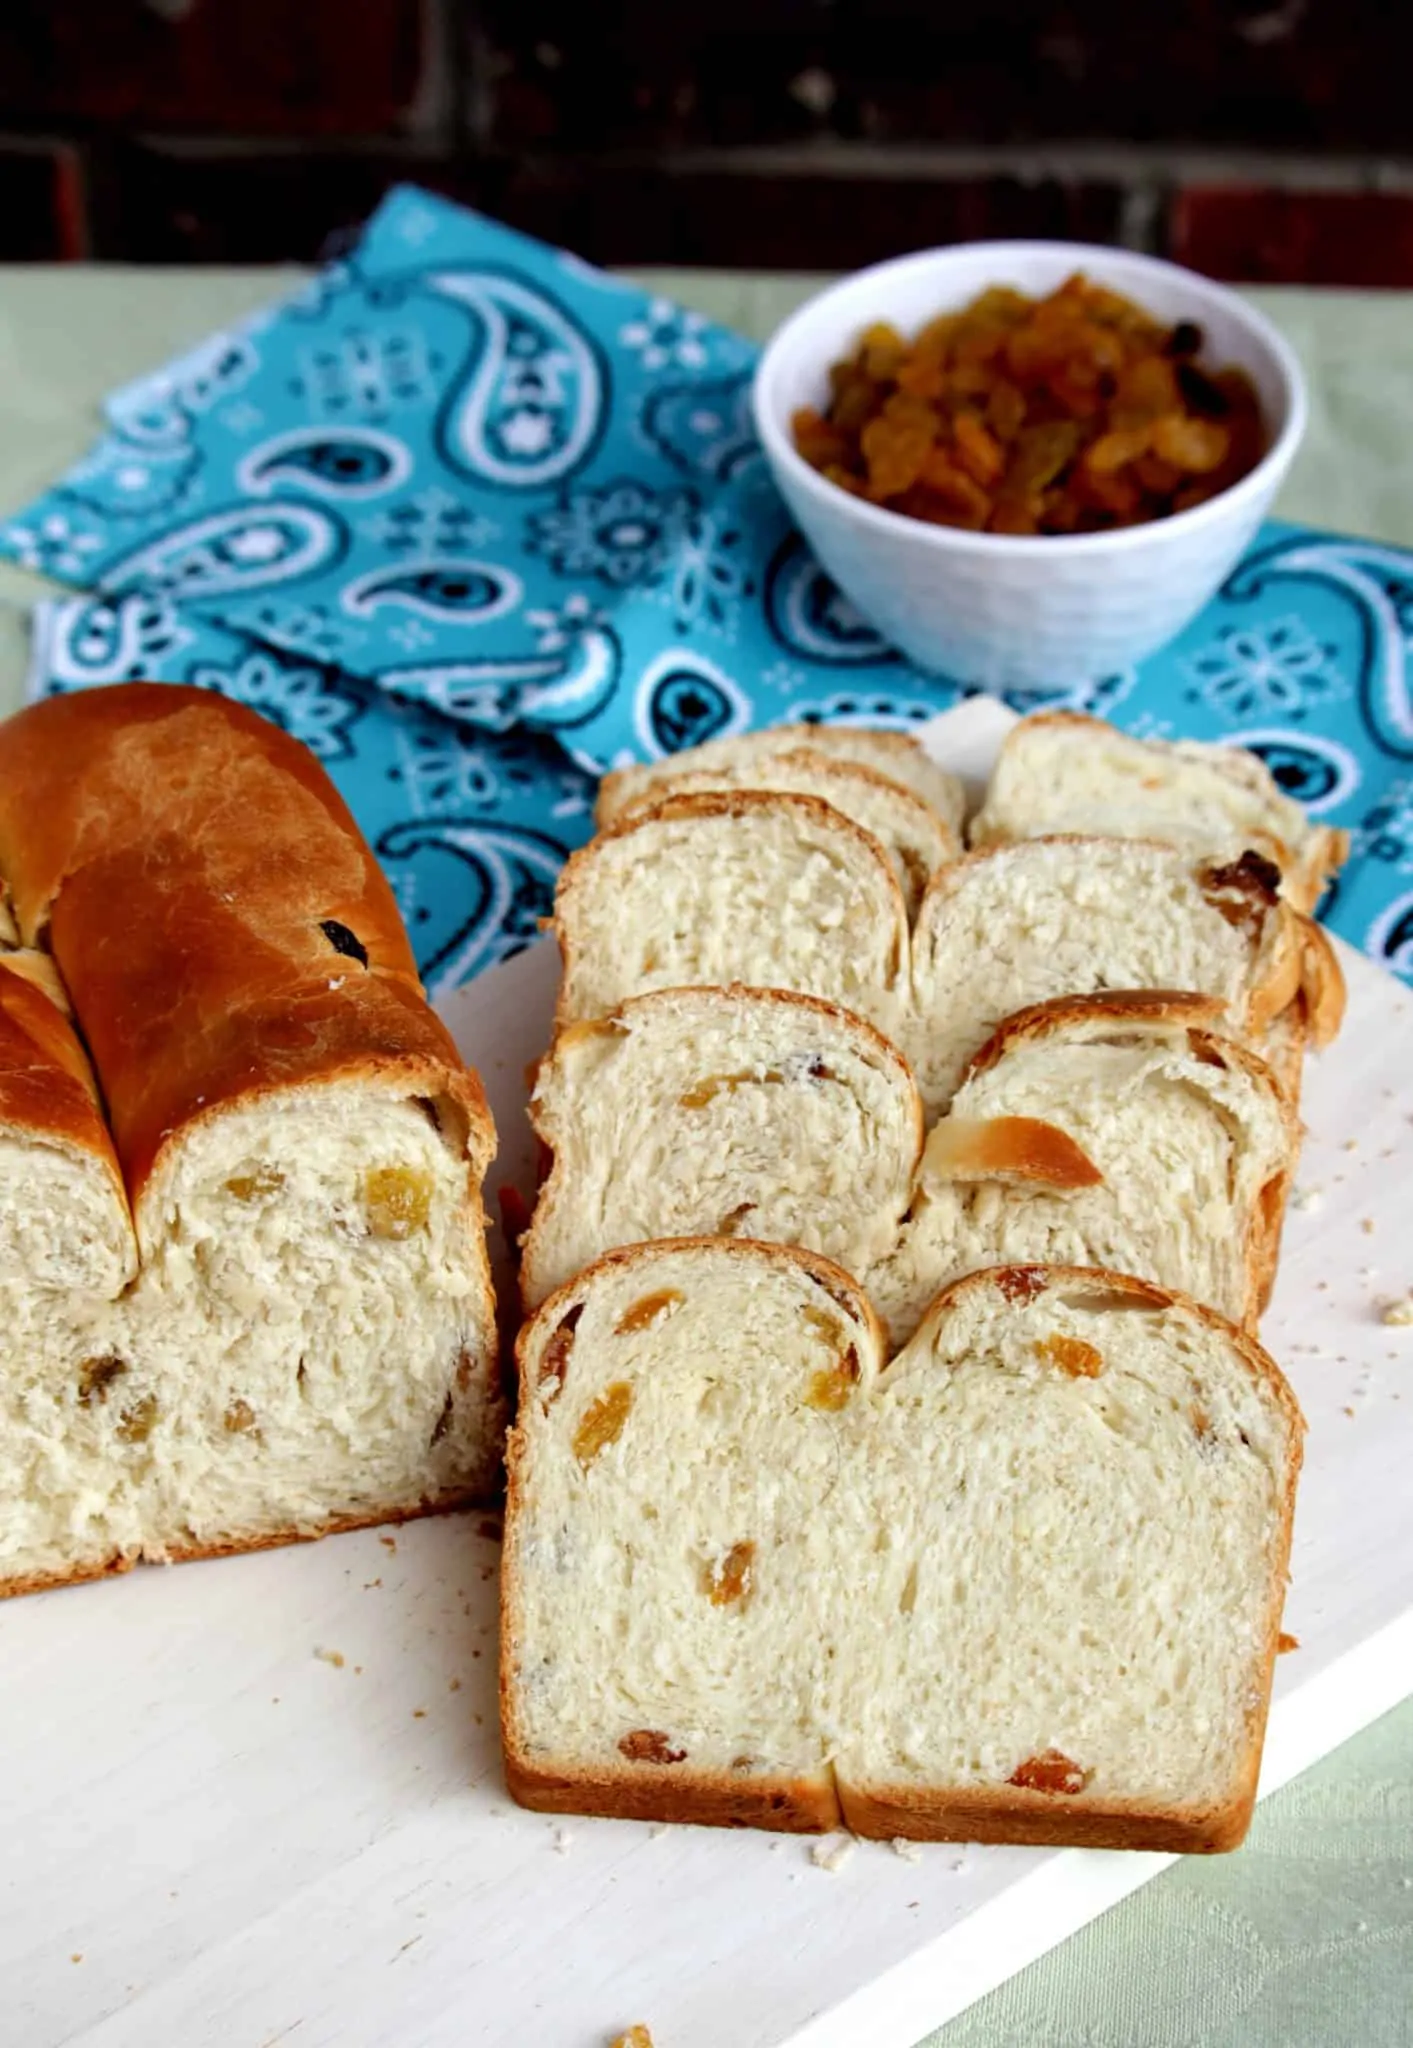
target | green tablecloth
x=1306, y=1935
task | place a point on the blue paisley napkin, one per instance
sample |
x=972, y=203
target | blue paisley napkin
x=463, y=497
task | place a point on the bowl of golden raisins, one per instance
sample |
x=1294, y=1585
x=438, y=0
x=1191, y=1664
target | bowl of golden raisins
x=1028, y=464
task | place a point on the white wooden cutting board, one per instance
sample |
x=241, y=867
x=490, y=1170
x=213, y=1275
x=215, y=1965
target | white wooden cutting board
x=259, y=1801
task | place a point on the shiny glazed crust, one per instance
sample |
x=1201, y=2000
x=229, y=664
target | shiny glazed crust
x=47, y=1089
x=229, y=850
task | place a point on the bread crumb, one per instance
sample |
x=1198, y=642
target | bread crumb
x=1306, y=1198
x=1398, y=1314
x=334, y=1657
x=77, y=1958
x=369, y=1584
x=1366, y=1224
x=1285, y=1643
x=636, y=2037
x=455, y=1685
x=419, y=1713
x=911, y=1852
x=563, y=1841
x=833, y=1854
x=389, y=1544
x=660, y=1828
x=1347, y=1411
x=1351, y=1144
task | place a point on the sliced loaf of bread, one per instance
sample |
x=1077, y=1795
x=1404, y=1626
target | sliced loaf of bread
x=1015, y=925
x=895, y=754
x=777, y=891
x=1063, y=772
x=736, y=1112
x=917, y=841
x=1111, y=1130
x=1022, y=1585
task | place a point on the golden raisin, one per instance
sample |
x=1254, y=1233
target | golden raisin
x=1285, y=1643
x=250, y=1187
x=820, y=1319
x=1051, y=1771
x=830, y=1389
x=397, y=1200
x=704, y=1092
x=1072, y=1355
x=602, y=1422
x=644, y=1313
x=136, y=1423
x=95, y=1376
x=239, y=1417
x=732, y=1577
x=636, y=2037
x=649, y=1746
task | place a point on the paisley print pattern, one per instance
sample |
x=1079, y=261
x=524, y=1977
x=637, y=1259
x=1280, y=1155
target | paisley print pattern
x=475, y=521
x=356, y=462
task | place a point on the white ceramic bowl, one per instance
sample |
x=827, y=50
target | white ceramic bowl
x=1021, y=611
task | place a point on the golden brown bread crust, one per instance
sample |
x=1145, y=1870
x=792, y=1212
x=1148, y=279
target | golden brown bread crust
x=47, y=1088
x=1140, y=1006
x=280, y=1539
x=231, y=855
x=1012, y=1149
x=1041, y=1820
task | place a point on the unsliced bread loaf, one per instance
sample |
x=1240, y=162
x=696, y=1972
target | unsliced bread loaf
x=737, y=1112
x=1064, y=772
x=1024, y=1585
x=289, y=1325
x=916, y=840
x=1015, y=925
x=895, y=754
x=776, y=891
x=1110, y=1130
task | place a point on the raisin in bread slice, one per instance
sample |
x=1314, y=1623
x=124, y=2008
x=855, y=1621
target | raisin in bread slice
x=734, y=1111
x=916, y=840
x=1016, y=925
x=775, y=891
x=670, y=1573
x=1024, y=1585
x=1110, y=1130
x=896, y=755
x=1064, y=772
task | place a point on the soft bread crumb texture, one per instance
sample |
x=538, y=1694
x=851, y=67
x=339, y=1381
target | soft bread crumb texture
x=731, y=1112
x=777, y=891
x=1068, y=773
x=982, y=1585
x=242, y=1254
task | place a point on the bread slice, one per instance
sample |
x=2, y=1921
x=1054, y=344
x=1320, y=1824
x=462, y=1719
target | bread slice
x=670, y=1569
x=1082, y=1489
x=1024, y=1585
x=895, y=754
x=64, y=1219
x=1111, y=1130
x=1015, y=925
x=774, y=891
x=736, y=1112
x=1061, y=771
x=254, y=1301
x=916, y=840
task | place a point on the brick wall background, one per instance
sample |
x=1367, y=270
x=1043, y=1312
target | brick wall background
x=1256, y=139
